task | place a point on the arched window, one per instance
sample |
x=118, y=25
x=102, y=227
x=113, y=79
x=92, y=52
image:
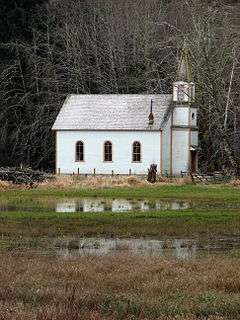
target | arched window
x=136, y=154
x=79, y=151
x=108, y=151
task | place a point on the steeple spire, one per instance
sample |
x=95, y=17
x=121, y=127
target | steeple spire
x=184, y=68
x=184, y=87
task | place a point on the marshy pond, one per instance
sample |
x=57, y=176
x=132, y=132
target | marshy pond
x=68, y=205
x=167, y=248
x=184, y=249
x=66, y=247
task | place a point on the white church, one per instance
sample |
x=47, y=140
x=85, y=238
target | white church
x=126, y=133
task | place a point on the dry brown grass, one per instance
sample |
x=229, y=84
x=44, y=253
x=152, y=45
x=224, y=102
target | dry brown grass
x=118, y=287
x=75, y=182
x=5, y=185
x=93, y=182
x=235, y=183
x=64, y=182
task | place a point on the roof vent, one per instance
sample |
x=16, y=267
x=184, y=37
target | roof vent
x=151, y=116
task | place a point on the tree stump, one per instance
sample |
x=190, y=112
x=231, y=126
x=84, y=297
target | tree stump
x=152, y=173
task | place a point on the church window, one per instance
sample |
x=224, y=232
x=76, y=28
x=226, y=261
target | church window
x=108, y=151
x=193, y=116
x=79, y=151
x=136, y=155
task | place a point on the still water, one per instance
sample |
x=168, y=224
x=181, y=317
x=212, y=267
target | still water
x=184, y=248
x=118, y=205
x=68, y=205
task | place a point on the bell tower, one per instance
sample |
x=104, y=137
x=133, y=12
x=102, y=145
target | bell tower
x=184, y=131
x=184, y=88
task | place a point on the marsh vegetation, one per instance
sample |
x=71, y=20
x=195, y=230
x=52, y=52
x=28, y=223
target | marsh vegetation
x=118, y=287
x=159, y=263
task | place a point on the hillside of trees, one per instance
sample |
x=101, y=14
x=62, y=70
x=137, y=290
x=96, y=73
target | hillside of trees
x=51, y=48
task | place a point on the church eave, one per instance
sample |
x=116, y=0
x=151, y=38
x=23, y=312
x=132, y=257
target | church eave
x=110, y=130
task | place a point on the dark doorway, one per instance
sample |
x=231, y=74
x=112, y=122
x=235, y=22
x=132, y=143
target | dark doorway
x=194, y=157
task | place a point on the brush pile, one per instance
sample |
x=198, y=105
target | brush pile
x=24, y=176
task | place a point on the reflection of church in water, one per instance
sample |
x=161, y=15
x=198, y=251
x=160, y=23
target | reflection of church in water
x=184, y=249
x=117, y=205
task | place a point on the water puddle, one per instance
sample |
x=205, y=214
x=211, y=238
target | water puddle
x=111, y=205
x=184, y=249
x=118, y=205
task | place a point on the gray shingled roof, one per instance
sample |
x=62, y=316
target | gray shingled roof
x=111, y=112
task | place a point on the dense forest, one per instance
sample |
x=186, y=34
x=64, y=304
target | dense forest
x=50, y=48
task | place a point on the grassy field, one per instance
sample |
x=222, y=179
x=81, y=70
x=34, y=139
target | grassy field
x=225, y=193
x=204, y=223
x=118, y=287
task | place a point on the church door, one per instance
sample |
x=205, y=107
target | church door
x=193, y=168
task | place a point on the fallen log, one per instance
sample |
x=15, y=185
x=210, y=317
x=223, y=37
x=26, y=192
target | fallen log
x=25, y=176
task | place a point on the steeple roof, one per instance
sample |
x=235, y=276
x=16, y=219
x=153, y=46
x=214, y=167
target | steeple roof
x=184, y=67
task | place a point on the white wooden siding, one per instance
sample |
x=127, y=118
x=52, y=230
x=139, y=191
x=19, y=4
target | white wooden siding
x=180, y=151
x=194, y=138
x=181, y=116
x=166, y=145
x=93, y=147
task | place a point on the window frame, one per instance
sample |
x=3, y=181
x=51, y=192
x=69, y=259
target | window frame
x=135, y=154
x=78, y=158
x=104, y=151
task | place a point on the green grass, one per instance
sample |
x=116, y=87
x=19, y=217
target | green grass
x=41, y=221
x=205, y=223
x=222, y=215
x=219, y=192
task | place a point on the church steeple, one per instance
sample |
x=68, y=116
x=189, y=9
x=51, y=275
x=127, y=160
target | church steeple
x=184, y=88
x=184, y=67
